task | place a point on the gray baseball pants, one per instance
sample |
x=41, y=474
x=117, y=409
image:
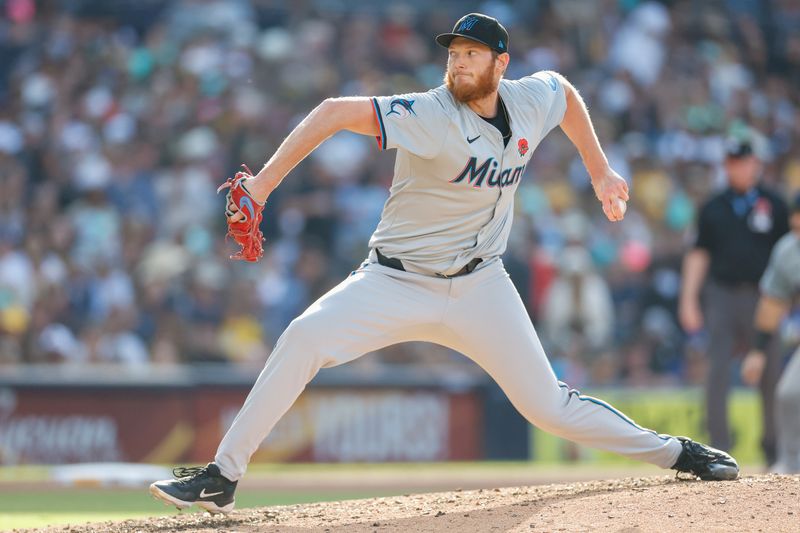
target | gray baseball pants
x=480, y=315
x=787, y=416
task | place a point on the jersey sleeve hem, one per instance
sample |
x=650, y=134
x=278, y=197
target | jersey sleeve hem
x=774, y=293
x=381, y=139
x=562, y=96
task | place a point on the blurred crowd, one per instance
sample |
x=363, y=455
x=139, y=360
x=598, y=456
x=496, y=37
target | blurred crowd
x=119, y=120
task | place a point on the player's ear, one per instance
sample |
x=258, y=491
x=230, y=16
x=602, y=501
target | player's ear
x=502, y=62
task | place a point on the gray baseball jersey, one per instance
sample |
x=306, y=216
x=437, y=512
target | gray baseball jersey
x=452, y=195
x=782, y=280
x=782, y=277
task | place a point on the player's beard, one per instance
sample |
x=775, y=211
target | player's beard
x=485, y=84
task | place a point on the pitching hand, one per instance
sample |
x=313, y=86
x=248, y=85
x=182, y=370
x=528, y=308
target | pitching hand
x=612, y=191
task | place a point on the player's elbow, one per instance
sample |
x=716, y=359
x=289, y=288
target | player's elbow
x=332, y=105
x=331, y=115
x=329, y=109
x=352, y=113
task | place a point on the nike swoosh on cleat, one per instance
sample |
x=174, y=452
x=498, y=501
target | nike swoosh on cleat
x=204, y=494
x=470, y=141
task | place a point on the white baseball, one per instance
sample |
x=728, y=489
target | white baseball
x=622, y=206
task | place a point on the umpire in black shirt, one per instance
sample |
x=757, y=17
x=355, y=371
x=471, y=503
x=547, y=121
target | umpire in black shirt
x=736, y=231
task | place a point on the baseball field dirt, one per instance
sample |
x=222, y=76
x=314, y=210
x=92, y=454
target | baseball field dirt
x=768, y=503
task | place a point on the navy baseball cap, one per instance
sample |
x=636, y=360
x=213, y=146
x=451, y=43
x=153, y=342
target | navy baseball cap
x=478, y=27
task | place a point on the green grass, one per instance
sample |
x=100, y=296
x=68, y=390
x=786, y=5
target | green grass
x=29, y=509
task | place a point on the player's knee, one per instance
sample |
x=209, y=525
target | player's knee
x=553, y=412
x=300, y=347
x=303, y=331
x=314, y=335
x=549, y=420
x=544, y=415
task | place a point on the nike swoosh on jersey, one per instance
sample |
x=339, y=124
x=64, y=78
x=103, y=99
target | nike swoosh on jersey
x=470, y=141
x=204, y=494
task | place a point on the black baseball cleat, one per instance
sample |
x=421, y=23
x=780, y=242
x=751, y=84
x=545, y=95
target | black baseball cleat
x=203, y=485
x=705, y=462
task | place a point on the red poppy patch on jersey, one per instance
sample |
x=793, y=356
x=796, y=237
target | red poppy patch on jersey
x=522, y=147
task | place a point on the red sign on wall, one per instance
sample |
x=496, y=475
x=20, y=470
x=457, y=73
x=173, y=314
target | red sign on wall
x=53, y=425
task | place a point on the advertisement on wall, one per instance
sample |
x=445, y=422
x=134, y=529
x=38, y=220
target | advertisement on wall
x=374, y=427
x=57, y=426
x=184, y=424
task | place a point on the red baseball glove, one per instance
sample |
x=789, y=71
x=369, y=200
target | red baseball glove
x=245, y=232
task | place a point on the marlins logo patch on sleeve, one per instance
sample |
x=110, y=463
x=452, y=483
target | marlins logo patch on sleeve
x=401, y=108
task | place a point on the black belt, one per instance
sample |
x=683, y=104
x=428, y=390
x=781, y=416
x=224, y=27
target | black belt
x=396, y=264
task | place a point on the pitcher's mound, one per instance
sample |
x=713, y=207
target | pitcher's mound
x=769, y=503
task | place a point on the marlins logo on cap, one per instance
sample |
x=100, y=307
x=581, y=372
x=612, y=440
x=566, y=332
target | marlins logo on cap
x=478, y=27
x=467, y=23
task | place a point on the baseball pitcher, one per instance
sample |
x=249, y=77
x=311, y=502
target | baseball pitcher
x=434, y=271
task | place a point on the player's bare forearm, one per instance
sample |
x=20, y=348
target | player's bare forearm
x=609, y=187
x=577, y=125
x=769, y=313
x=331, y=116
x=768, y=317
